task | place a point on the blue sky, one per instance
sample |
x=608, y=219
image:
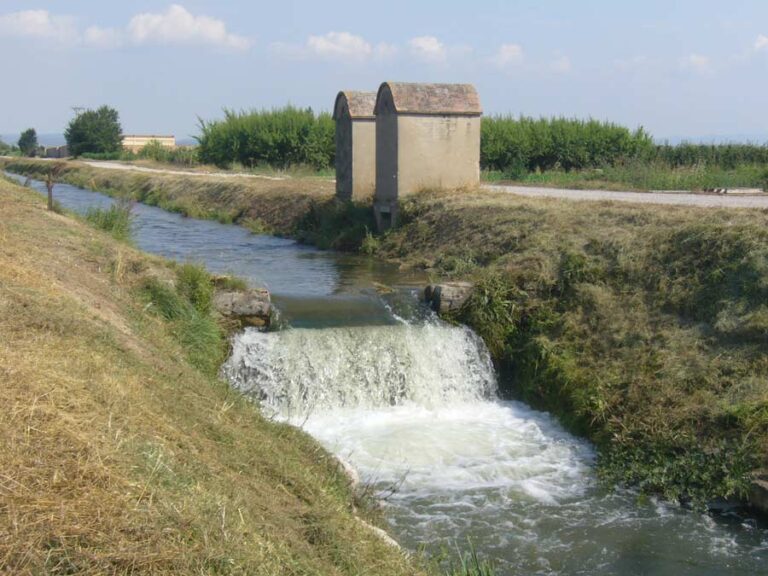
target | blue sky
x=695, y=69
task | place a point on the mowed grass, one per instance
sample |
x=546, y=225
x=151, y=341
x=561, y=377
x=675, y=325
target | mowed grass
x=644, y=328
x=643, y=176
x=264, y=204
x=118, y=455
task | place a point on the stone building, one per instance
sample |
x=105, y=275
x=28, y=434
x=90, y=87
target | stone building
x=56, y=151
x=355, y=144
x=135, y=142
x=427, y=136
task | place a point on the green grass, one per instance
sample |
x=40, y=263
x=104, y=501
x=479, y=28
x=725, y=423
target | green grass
x=644, y=176
x=116, y=219
x=643, y=328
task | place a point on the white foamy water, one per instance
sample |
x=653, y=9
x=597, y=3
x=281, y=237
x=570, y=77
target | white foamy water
x=414, y=409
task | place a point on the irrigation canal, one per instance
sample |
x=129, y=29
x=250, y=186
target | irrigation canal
x=412, y=403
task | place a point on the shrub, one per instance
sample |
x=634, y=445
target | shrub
x=194, y=283
x=196, y=331
x=284, y=137
x=28, y=142
x=116, y=219
x=94, y=131
x=514, y=145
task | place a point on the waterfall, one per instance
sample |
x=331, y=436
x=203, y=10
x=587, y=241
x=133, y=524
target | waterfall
x=298, y=371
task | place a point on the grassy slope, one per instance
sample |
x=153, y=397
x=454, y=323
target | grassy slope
x=116, y=455
x=642, y=327
x=263, y=204
x=645, y=328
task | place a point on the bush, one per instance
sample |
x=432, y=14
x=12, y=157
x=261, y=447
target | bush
x=194, y=283
x=95, y=131
x=514, y=145
x=284, y=137
x=28, y=142
x=116, y=219
x=196, y=331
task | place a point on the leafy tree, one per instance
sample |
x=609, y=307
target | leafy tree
x=28, y=142
x=94, y=131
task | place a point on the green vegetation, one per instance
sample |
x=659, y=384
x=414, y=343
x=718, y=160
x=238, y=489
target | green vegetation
x=28, y=142
x=470, y=564
x=642, y=327
x=515, y=146
x=277, y=206
x=119, y=454
x=280, y=138
x=187, y=307
x=94, y=131
x=116, y=219
x=590, y=154
x=7, y=149
x=640, y=175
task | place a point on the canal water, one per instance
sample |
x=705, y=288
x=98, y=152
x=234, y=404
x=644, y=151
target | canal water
x=412, y=404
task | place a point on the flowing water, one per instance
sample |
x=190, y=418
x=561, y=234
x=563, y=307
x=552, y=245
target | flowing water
x=412, y=404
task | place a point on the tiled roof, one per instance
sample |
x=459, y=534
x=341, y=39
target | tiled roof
x=360, y=104
x=439, y=99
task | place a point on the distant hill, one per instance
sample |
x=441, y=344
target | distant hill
x=43, y=139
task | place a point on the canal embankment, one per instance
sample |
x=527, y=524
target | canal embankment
x=643, y=328
x=122, y=451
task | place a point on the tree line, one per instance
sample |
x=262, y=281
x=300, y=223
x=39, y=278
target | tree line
x=291, y=136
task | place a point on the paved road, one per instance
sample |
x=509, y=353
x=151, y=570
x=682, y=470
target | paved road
x=679, y=198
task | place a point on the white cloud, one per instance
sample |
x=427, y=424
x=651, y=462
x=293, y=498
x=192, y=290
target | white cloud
x=561, y=65
x=103, y=37
x=178, y=26
x=174, y=26
x=508, y=55
x=339, y=45
x=428, y=49
x=384, y=51
x=761, y=43
x=697, y=63
x=39, y=24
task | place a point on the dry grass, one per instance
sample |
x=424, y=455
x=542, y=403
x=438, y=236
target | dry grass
x=279, y=205
x=117, y=456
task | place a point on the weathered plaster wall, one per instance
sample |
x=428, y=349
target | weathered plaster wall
x=344, y=158
x=437, y=151
x=363, y=158
x=386, y=156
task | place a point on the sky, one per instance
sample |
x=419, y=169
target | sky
x=681, y=69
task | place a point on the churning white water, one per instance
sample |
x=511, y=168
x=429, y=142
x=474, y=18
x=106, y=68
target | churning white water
x=413, y=407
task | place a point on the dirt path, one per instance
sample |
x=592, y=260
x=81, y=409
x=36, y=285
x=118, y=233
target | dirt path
x=679, y=198
x=668, y=197
x=132, y=167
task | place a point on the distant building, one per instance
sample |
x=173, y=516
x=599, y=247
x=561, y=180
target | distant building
x=135, y=142
x=56, y=152
x=427, y=136
x=355, y=144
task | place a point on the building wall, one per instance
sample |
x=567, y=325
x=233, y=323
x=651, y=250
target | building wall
x=386, y=155
x=363, y=158
x=137, y=142
x=344, y=157
x=437, y=152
